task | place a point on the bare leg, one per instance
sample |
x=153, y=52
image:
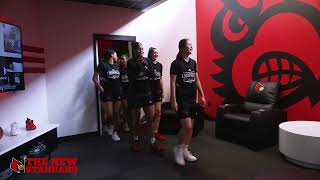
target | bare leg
x=189, y=138
x=116, y=115
x=135, y=115
x=149, y=111
x=157, y=116
x=149, y=114
x=104, y=115
x=185, y=131
x=108, y=113
x=124, y=107
x=186, y=139
x=136, y=132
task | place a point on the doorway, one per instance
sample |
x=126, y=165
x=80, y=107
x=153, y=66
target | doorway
x=122, y=45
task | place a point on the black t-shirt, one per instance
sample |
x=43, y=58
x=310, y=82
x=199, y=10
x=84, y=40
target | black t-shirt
x=186, y=77
x=124, y=78
x=109, y=76
x=139, y=76
x=155, y=82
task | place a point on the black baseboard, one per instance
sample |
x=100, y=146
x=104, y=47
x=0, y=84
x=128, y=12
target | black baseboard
x=76, y=137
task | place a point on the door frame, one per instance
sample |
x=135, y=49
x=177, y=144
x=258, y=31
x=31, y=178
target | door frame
x=109, y=37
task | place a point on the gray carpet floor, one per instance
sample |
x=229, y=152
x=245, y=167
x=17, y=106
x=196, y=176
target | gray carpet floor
x=102, y=159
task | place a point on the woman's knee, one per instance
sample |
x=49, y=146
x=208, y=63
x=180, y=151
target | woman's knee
x=116, y=113
x=149, y=111
x=189, y=128
x=157, y=113
x=187, y=125
x=110, y=116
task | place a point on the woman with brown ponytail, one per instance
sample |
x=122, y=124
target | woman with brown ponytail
x=184, y=83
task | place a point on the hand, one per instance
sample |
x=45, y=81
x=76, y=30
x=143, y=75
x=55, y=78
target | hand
x=141, y=60
x=203, y=101
x=162, y=95
x=174, y=106
x=101, y=89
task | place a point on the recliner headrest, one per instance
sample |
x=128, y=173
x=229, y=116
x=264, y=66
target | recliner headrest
x=263, y=92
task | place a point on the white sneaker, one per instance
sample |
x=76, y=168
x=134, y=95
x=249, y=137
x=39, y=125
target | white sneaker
x=14, y=129
x=115, y=136
x=178, y=156
x=126, y=127
x=188, y=156
x=108, y=129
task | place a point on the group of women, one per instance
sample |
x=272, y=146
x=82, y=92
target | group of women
x=129, y=85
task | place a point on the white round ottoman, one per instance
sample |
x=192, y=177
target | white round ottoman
x=299, y=142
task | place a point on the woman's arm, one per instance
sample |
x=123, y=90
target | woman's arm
x=96, y=81
x=200, y=90
x=161, y=82
x=161, y=88
x=173, y=79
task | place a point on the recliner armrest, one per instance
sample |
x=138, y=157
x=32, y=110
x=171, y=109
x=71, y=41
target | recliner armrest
x=274, y=116
x=227, y=108
x=233, y=108
x=266, y=111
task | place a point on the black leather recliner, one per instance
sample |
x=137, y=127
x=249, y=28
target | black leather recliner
x=253, y=123
x=170, y=123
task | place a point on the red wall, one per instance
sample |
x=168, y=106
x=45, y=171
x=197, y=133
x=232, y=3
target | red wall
x=267, y=40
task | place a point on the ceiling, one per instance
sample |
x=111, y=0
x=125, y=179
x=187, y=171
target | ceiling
x=131, y=4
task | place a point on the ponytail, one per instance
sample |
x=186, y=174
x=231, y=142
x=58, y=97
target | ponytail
x=178, y=57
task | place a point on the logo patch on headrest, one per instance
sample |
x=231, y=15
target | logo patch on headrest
x=259, y=87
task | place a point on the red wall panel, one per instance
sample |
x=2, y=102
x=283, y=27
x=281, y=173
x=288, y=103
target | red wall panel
x=267, y=40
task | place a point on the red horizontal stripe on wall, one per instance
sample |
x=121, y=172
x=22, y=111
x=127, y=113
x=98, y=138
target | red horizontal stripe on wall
x=33, y=59
x=34, y=70
x=32, y=49
x=4, y=94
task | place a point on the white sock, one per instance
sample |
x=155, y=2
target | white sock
x=136, y=138
x=185, y=146
x=115, y=132
x=182, y=146
x=153, y=140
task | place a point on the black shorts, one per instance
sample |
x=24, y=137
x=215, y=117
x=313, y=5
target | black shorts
x=187, y=107
x=110, y=96
x=156, y=97
x=140, y=100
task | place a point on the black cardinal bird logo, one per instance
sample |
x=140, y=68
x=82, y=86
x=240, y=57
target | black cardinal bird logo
x=234, y=30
